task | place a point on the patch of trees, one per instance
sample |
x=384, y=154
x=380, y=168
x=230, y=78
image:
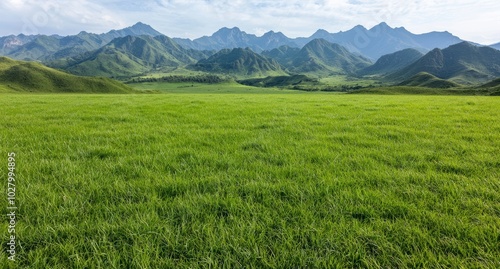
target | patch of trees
x=208, y=79
x=326, y=88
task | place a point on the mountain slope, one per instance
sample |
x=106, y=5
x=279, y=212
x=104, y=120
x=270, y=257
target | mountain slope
x=282, y=54
x=322, y=57
x=382, y=40
x=37, y=49
x=129, y=56
x=138, y=29
x=241, y=62
x=496, y=46
x=224, y=38
x=12, y=42
x=424, y=79
x=492, y=84
x=20, y=76
x=271, y=40
x=392, y=62
x=492, y=87
x=230, y=38
x=463, y=63
x=371, y=43
x=49, y=48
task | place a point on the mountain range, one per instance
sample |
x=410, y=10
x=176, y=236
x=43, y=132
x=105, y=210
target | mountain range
x=319, y=57
x=130, y=56
x=370, y=43
x=230, y=38
x=48, y=48
x=239, y=61
x=391, y=54
x=462, y=63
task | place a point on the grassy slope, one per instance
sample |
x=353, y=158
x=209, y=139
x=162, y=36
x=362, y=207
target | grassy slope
x=347, y=80
x=239, y=62
x=129, y=56
x=322, y=58
x=492, y=84
x=264, y=181
x=461, y=63
x=16, y=76
x=424, y=79
x=190, y=87
x=110, y=63
x=412, y=90
x=392, y=62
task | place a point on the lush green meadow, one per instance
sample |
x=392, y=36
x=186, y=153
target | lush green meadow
x=203, y=88
x=309, y=180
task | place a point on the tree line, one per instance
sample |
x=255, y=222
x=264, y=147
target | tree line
x=209, y=79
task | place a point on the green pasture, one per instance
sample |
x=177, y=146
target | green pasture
x=225, y=180
x=196, y=88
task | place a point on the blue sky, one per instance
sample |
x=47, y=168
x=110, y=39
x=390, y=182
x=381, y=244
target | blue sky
x=473, y=20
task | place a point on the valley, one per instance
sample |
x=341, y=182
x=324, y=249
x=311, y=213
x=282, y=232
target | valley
x=436, y=60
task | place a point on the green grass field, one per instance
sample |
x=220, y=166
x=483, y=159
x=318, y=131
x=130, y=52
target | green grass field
x=203, y=88
x=310, y=180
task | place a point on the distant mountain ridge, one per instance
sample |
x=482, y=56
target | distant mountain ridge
x=373, y=43
x=320, y=57
x=399, y=55
x=48, y=48
x=137, y=29
x=463, y=63
x=370, y=43
x=496, y=46
x=230, y=38
x=11, y=42
x=392, y=62
x=382, y=39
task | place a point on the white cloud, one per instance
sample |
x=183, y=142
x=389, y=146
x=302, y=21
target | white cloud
x=52, y=16
x=13, y=4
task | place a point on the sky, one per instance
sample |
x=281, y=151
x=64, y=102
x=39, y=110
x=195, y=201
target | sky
x=472, y=20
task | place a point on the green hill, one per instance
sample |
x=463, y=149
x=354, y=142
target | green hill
x=392, y=62
x=18, y=76
x=492, y=84
x=321, y=57
x=493, y=87
x=427, y=84
x=130, y=56
x=424, y=79
x=463, y=63
x=239, y=62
